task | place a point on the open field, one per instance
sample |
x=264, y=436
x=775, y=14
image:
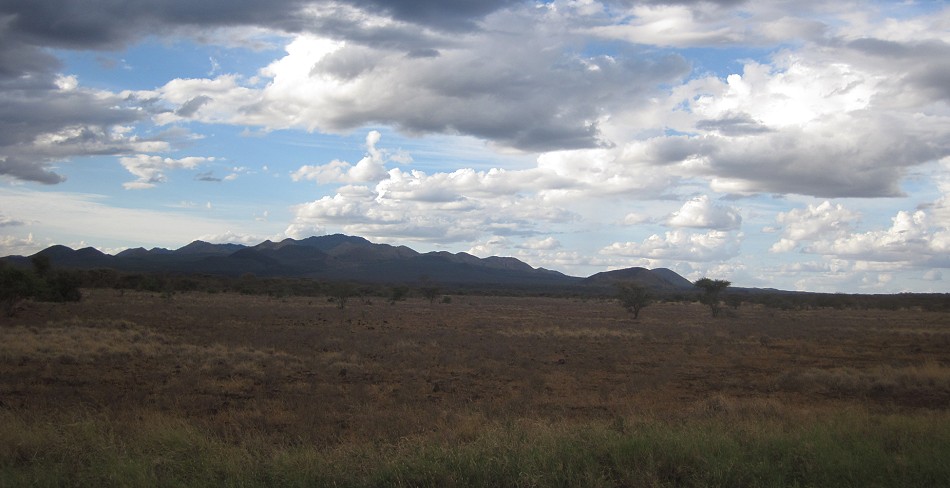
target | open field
x=200, y=388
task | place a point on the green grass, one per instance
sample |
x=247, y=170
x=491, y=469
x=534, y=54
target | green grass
x=852, y=448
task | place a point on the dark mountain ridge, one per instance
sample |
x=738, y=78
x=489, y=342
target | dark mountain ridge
x=342, y=257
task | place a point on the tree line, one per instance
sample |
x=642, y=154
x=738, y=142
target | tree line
x=41, y=282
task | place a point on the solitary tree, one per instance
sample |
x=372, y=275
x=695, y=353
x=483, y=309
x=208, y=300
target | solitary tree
x=399, y=293
x=430, y=292
x=428, y=289
x=712, y=289
x=340, y=293
x=633, y=297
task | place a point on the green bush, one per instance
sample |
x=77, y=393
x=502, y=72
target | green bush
x=42, y=283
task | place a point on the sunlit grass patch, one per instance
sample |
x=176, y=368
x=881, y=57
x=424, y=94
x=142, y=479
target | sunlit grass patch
x=576, y=332
x=929, y=378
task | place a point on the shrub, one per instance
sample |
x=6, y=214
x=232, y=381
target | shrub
x=633, y=297
x=712, y=289
x=16, y=285
x=41, y=283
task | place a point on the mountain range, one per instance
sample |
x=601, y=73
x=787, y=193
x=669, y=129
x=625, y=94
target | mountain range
x=342, y=257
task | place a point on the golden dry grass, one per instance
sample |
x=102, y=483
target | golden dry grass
x=300, y=370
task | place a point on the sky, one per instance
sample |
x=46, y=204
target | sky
x=799, y=145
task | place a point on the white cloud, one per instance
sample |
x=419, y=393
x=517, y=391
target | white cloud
x=47, y=118
x=910, y=239
x=913, y=240
x=229, y=237
x=442, y=207
x=69, y=217
x=678, y=245
x=494, y=246
x=370, y=168
x=602, y=172
x=545, y=244
x=467, y=87
x=823, y=119
x=701, y=213
x=150, y=170
x=675, y=25
x=813, y=223
x=634, y=218
x=10, y=222
x=933, y=275
x=19, y=246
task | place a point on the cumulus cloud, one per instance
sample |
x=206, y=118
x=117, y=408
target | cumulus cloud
x=933, y=275
x=485, y=207
x=812, y=223
x=150, y=170
x=45, y=119
x=634, y=218
x=19, y=246
x=492, y=246
x=748, y=133
x=483, y=84
x=604, y=172
x=701, y=213
x=49, y=123
x=913, y=239
x=678, y=245
x=371, y=168
x=230, y=237
x=545, y=244
x=440, y=207
x=910, y=239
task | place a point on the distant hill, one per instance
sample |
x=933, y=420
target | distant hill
x=657, y=279
x=342, y=257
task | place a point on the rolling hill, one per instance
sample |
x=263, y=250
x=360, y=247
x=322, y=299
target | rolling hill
x=342, y=257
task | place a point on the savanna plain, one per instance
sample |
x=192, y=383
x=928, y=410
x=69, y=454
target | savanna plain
x=129, y=388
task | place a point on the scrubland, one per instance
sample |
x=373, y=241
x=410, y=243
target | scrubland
x=137, y=388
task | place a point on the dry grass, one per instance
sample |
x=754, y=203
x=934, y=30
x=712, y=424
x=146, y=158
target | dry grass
x=301, y=372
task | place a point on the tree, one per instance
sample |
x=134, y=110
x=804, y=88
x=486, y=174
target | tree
x=16, y=285
x=633, y=297
x=341, y=293
x=712, y=289
x=399, y=293
x=428, y=289
x=41, y=264
x=430, y=292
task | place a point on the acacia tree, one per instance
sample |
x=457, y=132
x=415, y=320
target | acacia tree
x=712, y=289
x=430, y=293
x=399, y=293
x=633, y=297
x=340, y=293
x=428, y=288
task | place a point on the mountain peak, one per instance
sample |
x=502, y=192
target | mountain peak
x=202, y=247
x=660, y=278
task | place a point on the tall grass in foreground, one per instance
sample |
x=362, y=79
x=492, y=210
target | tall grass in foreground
x=851, y=448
